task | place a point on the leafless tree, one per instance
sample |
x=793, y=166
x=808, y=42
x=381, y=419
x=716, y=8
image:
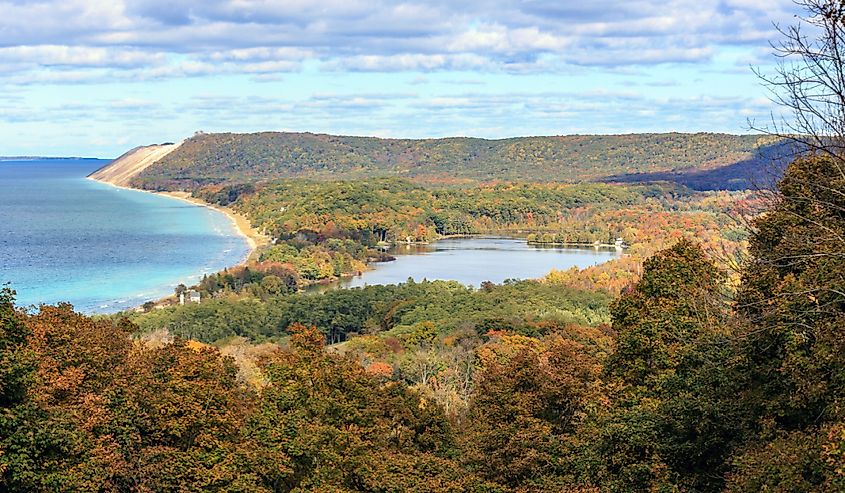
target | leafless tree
x=809, y=80
x=809, y=85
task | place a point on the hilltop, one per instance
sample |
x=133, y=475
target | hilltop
x=226, y=158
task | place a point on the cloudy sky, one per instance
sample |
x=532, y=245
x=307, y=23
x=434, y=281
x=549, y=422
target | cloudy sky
x=95, y=77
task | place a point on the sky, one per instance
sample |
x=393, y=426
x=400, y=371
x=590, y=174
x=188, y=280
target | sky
x=97, y=77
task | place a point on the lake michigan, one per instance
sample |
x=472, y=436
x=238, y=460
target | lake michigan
x=66, y=238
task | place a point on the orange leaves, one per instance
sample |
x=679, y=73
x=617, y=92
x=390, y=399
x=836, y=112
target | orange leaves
x=525, y=406
x=307, y=339
x=76, y=354
x=380, y=369
x=196, y=346
x=120, y=416
x=187, y=396
x=503, y=347
x=833, y=450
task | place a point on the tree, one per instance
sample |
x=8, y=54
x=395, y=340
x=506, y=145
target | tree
x=54, y=445
x=342, y=428
x=793, y=295
x=670, y=425
x=809, y=82
x=790, y=461
x=677, y=300
x=792, y=298
x=104, y=414
x=17, y=367
x=273, y=285
x=16, y=361
x=525, y=411
x=792, y=348
x=179, y=422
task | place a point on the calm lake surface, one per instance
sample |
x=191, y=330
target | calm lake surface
x=474, y=260
x=101, y=248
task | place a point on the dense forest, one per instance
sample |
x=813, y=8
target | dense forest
x=210, y=159
x=684, y=382
x=387, y=310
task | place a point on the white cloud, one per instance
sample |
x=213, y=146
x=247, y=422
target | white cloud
x=176, y=37
x=409, y=62
x=79, y=56
x=327, y=65
x=260, y=54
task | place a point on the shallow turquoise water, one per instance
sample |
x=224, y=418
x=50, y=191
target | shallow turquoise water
x=101, y=248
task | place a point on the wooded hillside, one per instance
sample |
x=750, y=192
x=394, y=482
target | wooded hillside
x=225, y=158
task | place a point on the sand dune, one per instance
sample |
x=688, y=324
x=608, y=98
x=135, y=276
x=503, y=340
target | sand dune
x=123, y=169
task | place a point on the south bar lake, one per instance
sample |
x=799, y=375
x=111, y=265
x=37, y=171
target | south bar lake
x=473, y=260
x=103, y=249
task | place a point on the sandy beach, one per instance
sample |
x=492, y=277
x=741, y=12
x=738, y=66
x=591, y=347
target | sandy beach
x=120, y=172
x=242, y=225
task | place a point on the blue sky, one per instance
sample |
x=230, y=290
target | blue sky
x=96, y=77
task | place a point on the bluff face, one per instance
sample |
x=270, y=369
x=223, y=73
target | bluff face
x=122, y=170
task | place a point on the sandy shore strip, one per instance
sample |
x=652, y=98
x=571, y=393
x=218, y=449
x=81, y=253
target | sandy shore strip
x=242, y=225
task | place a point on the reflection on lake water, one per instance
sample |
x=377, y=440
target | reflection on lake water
x=473, y=260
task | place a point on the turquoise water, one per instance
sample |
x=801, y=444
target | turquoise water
x=474, y=260
x=66, y=238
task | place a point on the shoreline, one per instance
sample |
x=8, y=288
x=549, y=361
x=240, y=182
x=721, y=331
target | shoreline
x=241, y=224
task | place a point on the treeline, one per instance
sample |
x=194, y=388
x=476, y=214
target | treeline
x=260, y=280
x=714, y=220
x=393, y=209
x=226, y=158
x=341, y=313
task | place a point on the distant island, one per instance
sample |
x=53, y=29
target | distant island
x=46, y=158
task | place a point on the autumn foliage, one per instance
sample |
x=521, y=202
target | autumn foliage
x=689, y=381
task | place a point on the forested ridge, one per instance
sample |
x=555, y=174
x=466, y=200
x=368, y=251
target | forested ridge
x=684, y=382
x=210, y=159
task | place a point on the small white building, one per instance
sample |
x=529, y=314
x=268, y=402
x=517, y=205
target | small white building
x=189, y=296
